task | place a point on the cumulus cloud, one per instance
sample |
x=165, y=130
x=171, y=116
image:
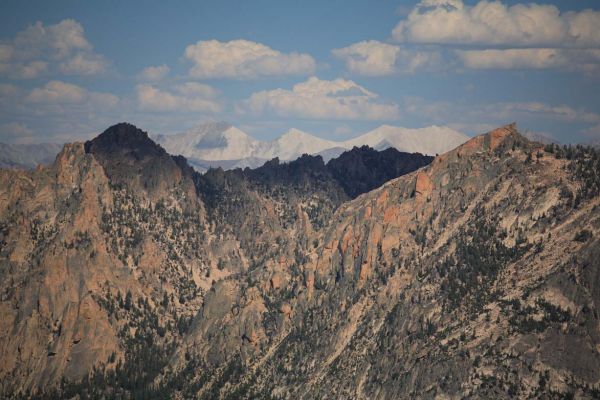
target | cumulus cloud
x=154, y=73
x=244, y=59
x=56, y=111
x=586, y=60
x=440, y=111
x=560, y=112
x=374, y=58
x=187, y=97
x=493, y=35
x=58, y=93
x=494, y=23
x=369, y=57
x=83, y=64
x=482, y=117
x=338, y=99
x=16, y=132
x=593, y=131
x=41, y=49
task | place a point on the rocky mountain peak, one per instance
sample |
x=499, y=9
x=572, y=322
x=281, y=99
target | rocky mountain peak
x=129, y=157
x=455, y=279
x=121, y=138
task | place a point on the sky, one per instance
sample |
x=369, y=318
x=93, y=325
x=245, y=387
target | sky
x=336, y=69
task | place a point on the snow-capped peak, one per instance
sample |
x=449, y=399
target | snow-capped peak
x=295, y=142
x=430, y=140
x=223, y=144
x=211, y=141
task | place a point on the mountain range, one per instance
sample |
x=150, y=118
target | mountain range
x=222, y=145
x=27, y=156
x=375, y=275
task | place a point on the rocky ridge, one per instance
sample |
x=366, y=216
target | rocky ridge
x=461, y=279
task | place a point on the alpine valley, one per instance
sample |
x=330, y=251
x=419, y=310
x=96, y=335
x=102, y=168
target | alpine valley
x=344, y=273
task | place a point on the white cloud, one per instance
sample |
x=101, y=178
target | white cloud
x=374, y=58
x=339, y=99
x=154, y=73
x=586, y=60
x=244, y=59
x=190, y=89
x=494, y=23
x=188, y=97
x=40, y=49
x=593, y=131
x=59, y=111
x=60, y=93
x=511, y=58
x=16, y=132
x=479, y=118
x=83, y=64
x=560, y=112
x=369, y=57
x=57, y=92
x=440, y=111
x=493, y=35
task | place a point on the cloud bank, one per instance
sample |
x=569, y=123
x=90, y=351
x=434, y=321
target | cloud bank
x=337, y=99
x=154, y=73
x=187, y=97
x=44, y=49
x=244, y=59
x=494, y=23
x=374, y=58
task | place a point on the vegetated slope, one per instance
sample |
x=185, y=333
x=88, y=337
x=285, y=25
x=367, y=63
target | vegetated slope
x=85, y=233
x=476, y=276
x=108, y=254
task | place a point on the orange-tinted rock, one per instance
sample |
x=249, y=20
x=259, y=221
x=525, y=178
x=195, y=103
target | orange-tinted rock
x=497, y=136
x=275, y=281
x=423, y=185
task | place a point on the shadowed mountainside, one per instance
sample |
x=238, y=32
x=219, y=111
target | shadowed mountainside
x=475, y=276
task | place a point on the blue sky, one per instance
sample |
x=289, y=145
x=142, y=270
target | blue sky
x=69, y=69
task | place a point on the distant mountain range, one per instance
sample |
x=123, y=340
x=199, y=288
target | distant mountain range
x=27, y=156
x=223, y=145
x=219, y=144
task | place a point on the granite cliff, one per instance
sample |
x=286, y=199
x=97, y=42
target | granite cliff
x=127, y=275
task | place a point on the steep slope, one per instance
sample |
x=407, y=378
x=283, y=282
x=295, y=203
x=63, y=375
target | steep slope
x=364, y=169
x=476, y=277
x=85, y=239
x=108, y=254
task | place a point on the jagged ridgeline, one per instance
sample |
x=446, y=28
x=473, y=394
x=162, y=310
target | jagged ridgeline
x=379, y=275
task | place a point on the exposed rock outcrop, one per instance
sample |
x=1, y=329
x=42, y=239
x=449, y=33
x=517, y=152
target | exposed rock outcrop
x=475, y=276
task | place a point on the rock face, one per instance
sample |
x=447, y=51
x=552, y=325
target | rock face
x=475, y=276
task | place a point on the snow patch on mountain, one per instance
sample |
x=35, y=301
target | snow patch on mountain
x=222, y=145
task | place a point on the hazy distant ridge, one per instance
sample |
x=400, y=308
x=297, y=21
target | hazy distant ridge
x=223, y=145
